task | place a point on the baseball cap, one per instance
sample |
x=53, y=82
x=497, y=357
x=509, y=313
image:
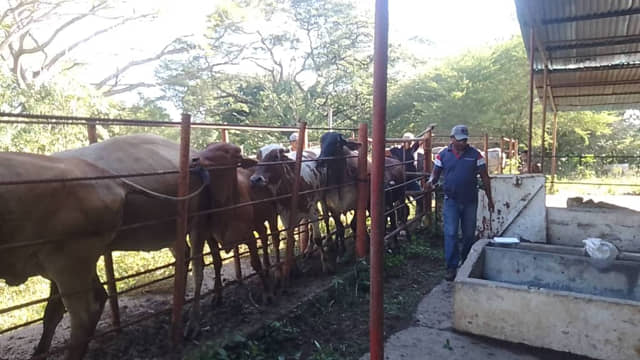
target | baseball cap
x=293, y=137
x=460, y=132
x=408, y=135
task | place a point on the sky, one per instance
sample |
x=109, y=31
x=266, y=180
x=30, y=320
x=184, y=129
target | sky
x=450, y=26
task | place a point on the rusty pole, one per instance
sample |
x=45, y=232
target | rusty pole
x=500, y=155
x=486, y=149
x=380, y=58
x=91, y=132
x=108, y=257
x=427, y=166
x=363, y=193
x=224, y=137
x=554, y=163
x=179, y=277
x=544, y=119
x=293, y=212
x=532, y=38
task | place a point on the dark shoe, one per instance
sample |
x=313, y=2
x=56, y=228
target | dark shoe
x=451, y=274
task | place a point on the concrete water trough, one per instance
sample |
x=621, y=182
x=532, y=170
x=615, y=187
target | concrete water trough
x=551, y=296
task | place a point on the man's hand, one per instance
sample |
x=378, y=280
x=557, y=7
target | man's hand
x=428, y=186
x=491, y=206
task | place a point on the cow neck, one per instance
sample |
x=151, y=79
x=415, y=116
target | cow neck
x=286, y=184
x=225, y=176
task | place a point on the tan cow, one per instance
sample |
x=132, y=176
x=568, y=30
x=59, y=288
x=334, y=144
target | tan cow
x=146, y=153
x=70, y=225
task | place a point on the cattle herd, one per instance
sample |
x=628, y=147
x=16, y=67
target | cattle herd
x=89, y=204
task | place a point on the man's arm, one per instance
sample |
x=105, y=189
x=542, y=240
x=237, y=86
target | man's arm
x=486, y=181
x=433, y=179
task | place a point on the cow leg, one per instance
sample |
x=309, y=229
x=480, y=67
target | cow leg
x=257, y=267
x=53, y=314
x=82, y=295
x=328, y=256
x=264, y=240
x=197, y=260
x=339, y=233
x=217, y=268
x=275, y=237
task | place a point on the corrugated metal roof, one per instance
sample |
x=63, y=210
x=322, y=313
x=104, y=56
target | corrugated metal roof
x=592, y=49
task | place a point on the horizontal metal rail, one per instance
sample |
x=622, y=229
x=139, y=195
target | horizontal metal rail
x=78, y=120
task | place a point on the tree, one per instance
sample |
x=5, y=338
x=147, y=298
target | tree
x=39, y=39
x=251, y=70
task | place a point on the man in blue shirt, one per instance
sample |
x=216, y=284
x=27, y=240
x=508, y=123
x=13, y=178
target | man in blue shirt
x=460, y=163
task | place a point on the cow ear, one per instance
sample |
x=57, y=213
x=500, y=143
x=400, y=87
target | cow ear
x=246, y=163
x=281, y=154
x=352, y=145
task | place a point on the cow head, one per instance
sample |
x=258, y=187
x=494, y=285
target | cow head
x=268, y=172
x=223, y=154
x=332, y=145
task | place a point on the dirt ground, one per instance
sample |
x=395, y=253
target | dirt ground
x=317, y=317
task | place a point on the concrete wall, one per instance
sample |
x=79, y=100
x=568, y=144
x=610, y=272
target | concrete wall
x=519, y=208
x=595, y=326
x=572, y=225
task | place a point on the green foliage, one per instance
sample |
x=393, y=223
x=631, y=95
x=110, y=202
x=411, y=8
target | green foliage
x=318, y=59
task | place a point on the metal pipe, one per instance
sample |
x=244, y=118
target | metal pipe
x=376, y=308
x=500, y=155
x=486, y=148
x=544, y=118
x=295, y=192
x=554, y=160
x=427, y=163
x=363, y=193
x=532, y=56
x=181, y=230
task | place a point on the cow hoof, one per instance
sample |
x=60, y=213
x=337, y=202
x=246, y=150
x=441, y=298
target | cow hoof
x=192, y=330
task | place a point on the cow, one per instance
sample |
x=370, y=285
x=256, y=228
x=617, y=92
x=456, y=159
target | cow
x=396, y=208
x=70, y=225
x=234, y=226
x=275, y=172
x=147, y=154
x=338, y=159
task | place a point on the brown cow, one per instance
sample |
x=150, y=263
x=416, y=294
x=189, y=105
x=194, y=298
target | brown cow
x=276, y=173
x=70, y=225
x=232, y=227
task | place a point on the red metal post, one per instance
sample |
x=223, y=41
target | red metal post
x=554, y=162
x=363, y=193
x=181, y=231
x=532, y=56
x=380, y=58
x=108, y=257
x=427, y=166
x=501, y=154
x=289, y=262
x=486, y=148
x=544, y=119
x=91, y=132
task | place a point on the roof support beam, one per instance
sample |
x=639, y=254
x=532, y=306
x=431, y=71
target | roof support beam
x=599, y=94
x=587, y=17
x=590, y=43
x=591, y=68
x=594, y=83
